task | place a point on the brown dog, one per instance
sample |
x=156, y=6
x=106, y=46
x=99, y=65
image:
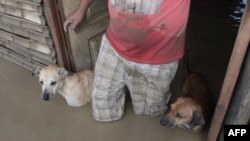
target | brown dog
x=75, y=88
x=190, y=111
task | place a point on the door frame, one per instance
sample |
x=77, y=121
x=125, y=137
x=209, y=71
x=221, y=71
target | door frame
x=55, y=23
x=231, y=77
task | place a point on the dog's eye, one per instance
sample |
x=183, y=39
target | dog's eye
x=178, y=115
x=53, y=83
x=41, y=82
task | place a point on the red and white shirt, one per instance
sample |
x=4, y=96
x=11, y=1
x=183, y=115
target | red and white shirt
x=148, y=31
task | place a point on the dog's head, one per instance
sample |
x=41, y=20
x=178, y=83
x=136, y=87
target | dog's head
x=185, y=113
x=50, y=79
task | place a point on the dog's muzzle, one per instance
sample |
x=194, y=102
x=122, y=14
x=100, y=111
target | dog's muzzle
x=166, y=122
x=46, y=96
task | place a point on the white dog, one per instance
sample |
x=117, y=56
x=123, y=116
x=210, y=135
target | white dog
x=75, y=88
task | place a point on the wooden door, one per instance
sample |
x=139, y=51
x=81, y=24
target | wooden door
x=84, y=45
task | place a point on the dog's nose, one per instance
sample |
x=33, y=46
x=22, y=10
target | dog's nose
x=163, y=122
x=45, y=97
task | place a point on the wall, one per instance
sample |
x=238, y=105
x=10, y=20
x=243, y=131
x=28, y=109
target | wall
x=24, y=36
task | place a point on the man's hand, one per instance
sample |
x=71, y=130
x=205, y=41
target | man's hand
x=73, y=20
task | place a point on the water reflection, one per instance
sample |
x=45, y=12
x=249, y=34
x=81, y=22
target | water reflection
x=238, y=11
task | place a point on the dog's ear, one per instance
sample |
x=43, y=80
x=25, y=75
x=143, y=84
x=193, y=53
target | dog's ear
x=36, y=72
x=63, y=72
x=198, y=119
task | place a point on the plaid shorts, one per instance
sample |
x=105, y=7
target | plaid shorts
x=148, y=85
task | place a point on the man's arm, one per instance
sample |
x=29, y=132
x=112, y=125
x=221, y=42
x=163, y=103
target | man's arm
x=75, y=18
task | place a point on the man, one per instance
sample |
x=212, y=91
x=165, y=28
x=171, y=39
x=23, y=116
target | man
x=140, y=49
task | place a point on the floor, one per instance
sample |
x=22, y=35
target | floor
x=24, y=116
